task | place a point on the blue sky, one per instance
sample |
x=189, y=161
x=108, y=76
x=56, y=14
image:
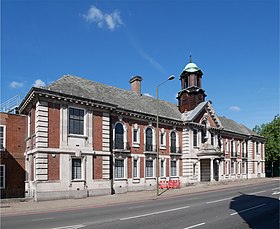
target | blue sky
x=234, y=42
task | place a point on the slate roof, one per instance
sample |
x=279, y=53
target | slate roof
x=129, y=100
x=124, y=99
x=233, y=126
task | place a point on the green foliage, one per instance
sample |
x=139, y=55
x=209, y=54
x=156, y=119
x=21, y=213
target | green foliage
x=271, y=131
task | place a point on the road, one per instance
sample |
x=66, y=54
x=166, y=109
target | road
x=255, y=206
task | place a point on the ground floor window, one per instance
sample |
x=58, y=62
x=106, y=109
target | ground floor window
x=76, y=168
x=119, y=168
x=173, y=167
x=244, y=163
x=2, y=176
x=149, y=168
x=232, y=167
x=162, y=170
x=135, y=168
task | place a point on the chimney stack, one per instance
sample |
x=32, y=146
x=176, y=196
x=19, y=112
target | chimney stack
x=135, y=82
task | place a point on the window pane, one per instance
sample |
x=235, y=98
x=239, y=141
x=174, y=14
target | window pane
x=134, y=168
x=76, y=121
x=149, y=168
x=195, y=137
x=135, y=135
x=119, y=168
x=76, y=169
x=173, y=142
x=173, y=168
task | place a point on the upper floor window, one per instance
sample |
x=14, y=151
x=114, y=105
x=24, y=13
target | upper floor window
x=2, y=137
x=162, y=139
x=119, y=134
x=173, y=142
x=257, y=148
x=195, y=137
x=232, y=148
x=212, y=138
x=149, y=139
x=76, y=121
x=136, y=135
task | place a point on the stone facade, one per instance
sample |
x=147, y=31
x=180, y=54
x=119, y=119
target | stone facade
x=85, y=139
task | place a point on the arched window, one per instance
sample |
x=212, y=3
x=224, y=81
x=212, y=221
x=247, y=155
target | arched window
x=149, y=139
x=173, y=142
x=119, y=136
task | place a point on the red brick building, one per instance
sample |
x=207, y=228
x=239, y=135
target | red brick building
x=84, y=138
x=12, y=161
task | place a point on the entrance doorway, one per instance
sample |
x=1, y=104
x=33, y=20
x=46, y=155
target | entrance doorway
x=205, y=170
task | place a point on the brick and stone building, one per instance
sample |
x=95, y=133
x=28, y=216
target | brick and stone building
x=85, y=138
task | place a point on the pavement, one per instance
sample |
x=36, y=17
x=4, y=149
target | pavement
x=10, y=207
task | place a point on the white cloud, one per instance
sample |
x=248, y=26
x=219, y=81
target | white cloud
x=15, y=84
x=111, y=21
x=39, y=83
x=234, y=108
x=147, y=94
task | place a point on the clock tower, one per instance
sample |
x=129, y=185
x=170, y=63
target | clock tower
x=191, y=93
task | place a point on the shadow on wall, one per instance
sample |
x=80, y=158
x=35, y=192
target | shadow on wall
x=14, y=175
x=258, y=212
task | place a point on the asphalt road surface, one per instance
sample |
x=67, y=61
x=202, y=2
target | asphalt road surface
x=255, y=206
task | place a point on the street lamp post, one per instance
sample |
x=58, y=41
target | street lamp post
x=157, y=135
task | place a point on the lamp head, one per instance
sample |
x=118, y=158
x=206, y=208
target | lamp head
x=172, y=77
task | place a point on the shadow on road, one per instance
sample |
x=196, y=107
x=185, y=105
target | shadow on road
x=258, y=212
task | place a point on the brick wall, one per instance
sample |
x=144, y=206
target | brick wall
x=13, y=156
x=54, y=125
x=97, y=167
x=53, y=166
x=97, y=131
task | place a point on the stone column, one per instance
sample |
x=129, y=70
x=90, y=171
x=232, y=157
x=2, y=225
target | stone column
x=211, y=169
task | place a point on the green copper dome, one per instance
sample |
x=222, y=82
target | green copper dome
x=191, y=67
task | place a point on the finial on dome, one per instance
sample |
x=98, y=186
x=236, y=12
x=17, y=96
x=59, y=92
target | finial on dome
x=190, y=57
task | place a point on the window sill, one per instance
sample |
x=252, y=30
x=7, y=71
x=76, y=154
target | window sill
x=77, y=136
x=136, y=180
x=120, y=179
x=162, y=147
x=136, y=145
x=78, y=180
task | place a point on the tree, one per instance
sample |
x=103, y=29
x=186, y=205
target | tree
x=271, y=131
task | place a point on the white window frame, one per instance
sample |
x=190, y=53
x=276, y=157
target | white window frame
x=137, y=167
x=176, y=169
x=163, y=134
x=163, y=170
x=82, y=169
x=244, y=166
x=137, y=142
x=232, y=169
x=4, y=138
x=125, y=142
x=124, y=169
x=4, y=177
x=153, y=175
x=257, y=148
x=177, y=140
x=226, y=146
x=197, y=138
x=153, y=135
x=85, y=122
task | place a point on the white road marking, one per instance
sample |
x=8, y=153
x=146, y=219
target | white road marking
x=275, y=193
x=253, y=193
x=154, y=213
x=275, y=189
x=248, y=209
x=197, y=225
x=42, y=219
x=71, y=227
x=215, y=201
